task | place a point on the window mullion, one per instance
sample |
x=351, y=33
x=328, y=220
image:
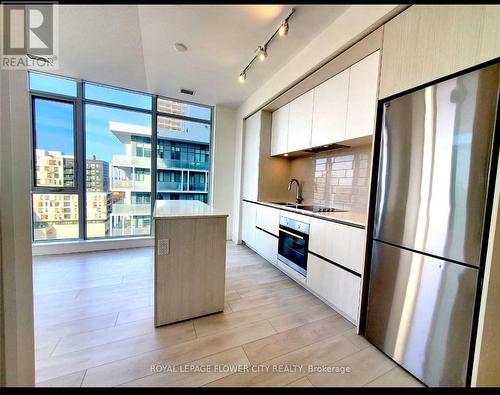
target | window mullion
x=80, y=160
x=154, y=155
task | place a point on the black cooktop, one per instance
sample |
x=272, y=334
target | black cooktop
x=314, y=208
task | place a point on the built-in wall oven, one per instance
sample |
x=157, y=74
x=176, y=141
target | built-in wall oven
x=293, y=244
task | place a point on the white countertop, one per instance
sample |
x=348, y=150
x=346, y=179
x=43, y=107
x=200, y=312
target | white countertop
x=349, y=217
x=184, y=209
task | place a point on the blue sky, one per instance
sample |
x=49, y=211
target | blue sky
x=54, y=126
x=54, y=120
x=99, y=140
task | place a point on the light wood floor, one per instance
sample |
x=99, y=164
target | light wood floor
x=94, y=327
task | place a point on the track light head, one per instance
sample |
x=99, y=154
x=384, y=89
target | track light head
x=283, y=30
x=262, y=53
x=243, y=77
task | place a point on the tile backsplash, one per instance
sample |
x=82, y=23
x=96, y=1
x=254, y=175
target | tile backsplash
x=338, y=178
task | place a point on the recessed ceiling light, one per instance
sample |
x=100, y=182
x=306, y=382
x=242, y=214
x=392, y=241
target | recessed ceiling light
x=180, y=47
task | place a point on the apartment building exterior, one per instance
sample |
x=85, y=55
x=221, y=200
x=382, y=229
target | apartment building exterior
x=55, y=216
x=182, y=171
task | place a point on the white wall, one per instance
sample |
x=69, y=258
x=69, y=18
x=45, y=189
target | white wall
x=344, y=31
x=15, y=224
x=222, y=178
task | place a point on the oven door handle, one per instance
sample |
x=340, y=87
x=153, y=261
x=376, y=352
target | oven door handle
x=290, y=233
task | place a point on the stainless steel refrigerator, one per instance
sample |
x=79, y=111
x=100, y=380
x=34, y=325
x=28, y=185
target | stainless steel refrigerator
x=430, y=221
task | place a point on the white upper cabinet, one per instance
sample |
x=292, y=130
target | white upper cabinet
x=330, y=110
x=362, y=102
x=251, y=157
x=279, y=130
x=300, y=122
x=341, y=108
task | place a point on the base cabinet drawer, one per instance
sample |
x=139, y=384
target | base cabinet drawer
x=339, y=243
x=337, y=286
x=266, y=246
x=268, y=218
x=248, y=215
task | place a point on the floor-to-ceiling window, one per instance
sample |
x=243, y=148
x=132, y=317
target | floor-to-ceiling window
x=183, y=149
x=93, y=157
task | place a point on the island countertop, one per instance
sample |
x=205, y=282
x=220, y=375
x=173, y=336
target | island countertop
x=167, y=209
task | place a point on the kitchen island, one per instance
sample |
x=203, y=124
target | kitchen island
x=190, y=260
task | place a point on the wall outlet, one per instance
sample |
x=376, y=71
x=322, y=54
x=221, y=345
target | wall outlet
x=163, y=246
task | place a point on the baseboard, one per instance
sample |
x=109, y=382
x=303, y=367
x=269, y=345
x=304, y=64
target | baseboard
x=71, y=247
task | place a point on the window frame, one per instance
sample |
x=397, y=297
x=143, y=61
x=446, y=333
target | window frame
x=51, y=188
x=211, y=146
x=80, y=183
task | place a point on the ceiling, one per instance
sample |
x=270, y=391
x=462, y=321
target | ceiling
x=133, y=46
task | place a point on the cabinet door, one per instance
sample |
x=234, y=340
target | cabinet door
x=362, y=103
x=300, y=122
x=339, y=243
x=337, y=286
x=251, y=147
x=248, y=215
x=268, y=218
x=330, y=110
x=427, y=42
x=266, y=246
x=279, y=130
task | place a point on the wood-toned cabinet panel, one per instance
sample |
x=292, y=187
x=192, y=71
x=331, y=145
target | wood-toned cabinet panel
x=189, y=279
x=362, y=102
x=268, y=218
x=428, y=42
x=300, y=122
x=339, y=243
x=330, y=110
x=248, y=218
x=266, y=245
x=337, y=286
x=279, y=130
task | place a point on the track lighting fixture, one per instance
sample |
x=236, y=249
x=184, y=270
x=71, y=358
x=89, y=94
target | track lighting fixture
x=261, y=52
x=283, y=30
x=243, y=77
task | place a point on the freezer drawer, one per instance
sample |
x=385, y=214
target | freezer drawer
x=434, y=162
x=420, y=312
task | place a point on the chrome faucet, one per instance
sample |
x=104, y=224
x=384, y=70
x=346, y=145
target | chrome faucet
x=298, y=198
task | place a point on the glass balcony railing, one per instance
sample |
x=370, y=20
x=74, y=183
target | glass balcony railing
x=143, y=185
x=130, y=231
x=131, y=209
x=198, y=187
x=125, y=160
x=139, y=161
x=127, y=184
x=164, y=186
x=181, y=164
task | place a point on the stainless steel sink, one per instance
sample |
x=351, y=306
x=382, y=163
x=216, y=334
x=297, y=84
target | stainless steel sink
x=285, y=204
